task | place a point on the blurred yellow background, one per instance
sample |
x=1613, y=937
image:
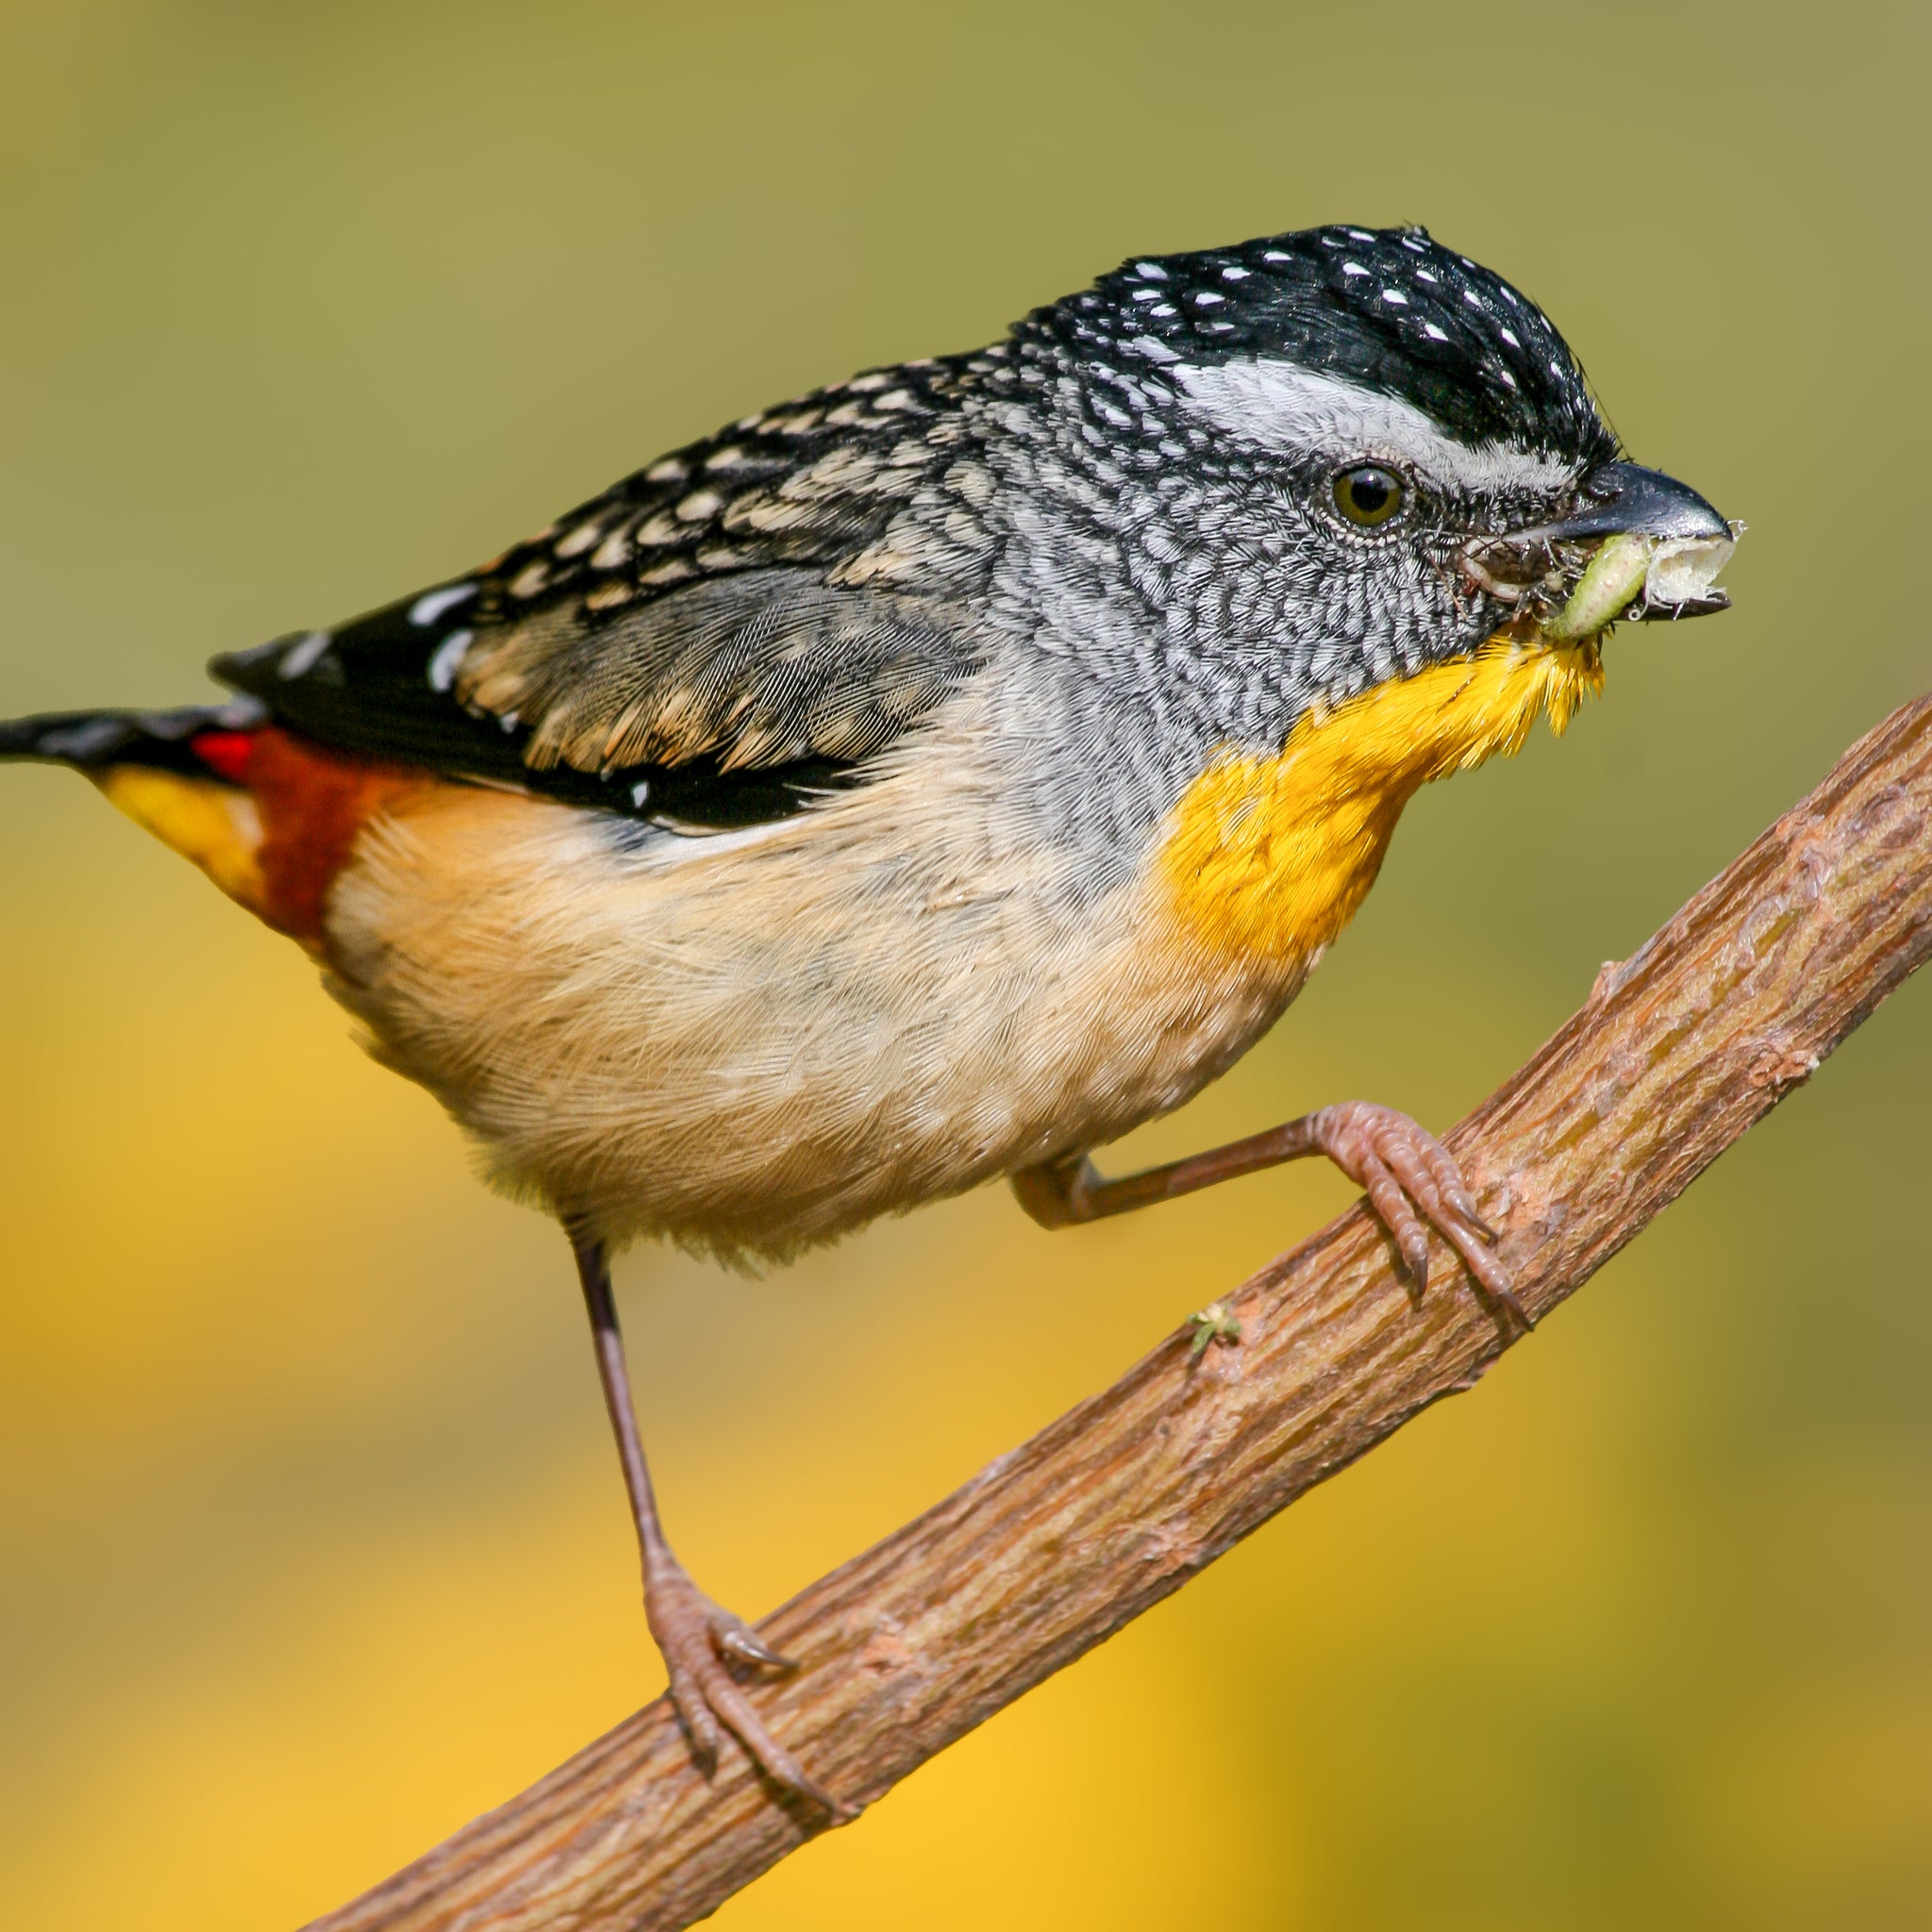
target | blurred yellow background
x=313, y=1544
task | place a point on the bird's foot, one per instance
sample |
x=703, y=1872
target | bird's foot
x=699, y=1642
x=1405, y=1169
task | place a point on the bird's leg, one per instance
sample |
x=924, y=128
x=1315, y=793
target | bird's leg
x=697, y=1637
x=1408, y=1173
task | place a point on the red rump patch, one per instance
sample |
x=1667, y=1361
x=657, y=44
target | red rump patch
x=226, y=753
x=313, y=805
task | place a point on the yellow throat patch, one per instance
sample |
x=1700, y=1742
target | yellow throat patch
x=1270, y=856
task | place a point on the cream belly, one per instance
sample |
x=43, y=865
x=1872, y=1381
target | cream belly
x=755, y=1042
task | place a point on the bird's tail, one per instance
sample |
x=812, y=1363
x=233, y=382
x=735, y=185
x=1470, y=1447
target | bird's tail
x=269, y=817
x=93, y=741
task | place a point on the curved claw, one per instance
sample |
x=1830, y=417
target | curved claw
x=1399, y=1162
x=698, y=1642
x=1418, y=1259
x=1448, y=1179
x=734, y=1639
x=1507, y=1298
x=1467, y=1209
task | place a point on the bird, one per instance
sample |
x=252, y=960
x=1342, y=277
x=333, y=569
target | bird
x=927, y=780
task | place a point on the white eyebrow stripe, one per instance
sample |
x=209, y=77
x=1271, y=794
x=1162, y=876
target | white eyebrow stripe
x=1276, y=406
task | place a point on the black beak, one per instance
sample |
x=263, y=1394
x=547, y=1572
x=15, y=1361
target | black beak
x=1684, y=544
x=1626, y=499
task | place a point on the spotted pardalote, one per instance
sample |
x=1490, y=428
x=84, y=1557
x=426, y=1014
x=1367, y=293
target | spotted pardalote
x=932, y=779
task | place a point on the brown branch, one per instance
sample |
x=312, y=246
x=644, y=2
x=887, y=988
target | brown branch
x=1054, y=1547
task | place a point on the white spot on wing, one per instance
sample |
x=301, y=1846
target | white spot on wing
x=1353, y=268
x=1397, y=296
x=301, y=654
x=448, y=659
x=432, y=604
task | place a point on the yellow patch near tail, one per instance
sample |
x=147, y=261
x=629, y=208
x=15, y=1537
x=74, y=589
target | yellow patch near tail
x=1271, y=856
x=213, y=825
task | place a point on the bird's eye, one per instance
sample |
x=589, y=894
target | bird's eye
x=1368, y=495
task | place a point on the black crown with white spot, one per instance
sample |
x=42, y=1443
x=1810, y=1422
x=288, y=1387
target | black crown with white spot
x=1389, y=309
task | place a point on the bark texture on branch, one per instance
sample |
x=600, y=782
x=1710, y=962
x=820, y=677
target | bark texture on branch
x=1053, y=1547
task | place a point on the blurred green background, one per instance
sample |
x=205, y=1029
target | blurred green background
x=313, y=1544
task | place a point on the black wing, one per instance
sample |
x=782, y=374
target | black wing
x=707, y=643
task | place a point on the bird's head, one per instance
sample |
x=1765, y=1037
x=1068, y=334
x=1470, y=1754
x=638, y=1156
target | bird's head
x=1366, y=454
